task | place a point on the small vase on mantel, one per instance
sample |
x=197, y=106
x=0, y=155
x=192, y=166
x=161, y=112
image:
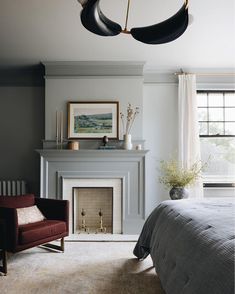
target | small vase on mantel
x=127, y=142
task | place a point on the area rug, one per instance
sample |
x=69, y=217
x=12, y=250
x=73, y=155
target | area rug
x=84, y=268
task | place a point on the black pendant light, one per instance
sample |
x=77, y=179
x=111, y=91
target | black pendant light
x=96, y=22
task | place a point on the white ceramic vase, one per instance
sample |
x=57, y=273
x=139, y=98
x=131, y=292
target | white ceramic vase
x=127, y=142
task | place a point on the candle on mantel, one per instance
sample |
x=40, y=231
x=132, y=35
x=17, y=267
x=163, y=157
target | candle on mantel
x=61, y=130
x=57, y=128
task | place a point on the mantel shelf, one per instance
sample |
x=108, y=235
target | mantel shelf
x=91, y=152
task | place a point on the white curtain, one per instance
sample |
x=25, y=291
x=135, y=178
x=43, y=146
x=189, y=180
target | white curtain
x=189, y=141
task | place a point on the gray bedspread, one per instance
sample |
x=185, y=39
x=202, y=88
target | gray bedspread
x=192, y=245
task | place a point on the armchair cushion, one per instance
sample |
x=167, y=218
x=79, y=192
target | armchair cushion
x=17, y=201
x=40, y=230
x=28, y=215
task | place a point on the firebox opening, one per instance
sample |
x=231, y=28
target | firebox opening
x=93, y=210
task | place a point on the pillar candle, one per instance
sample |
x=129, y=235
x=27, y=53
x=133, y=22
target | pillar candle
x=61, y=125
x=57, y=129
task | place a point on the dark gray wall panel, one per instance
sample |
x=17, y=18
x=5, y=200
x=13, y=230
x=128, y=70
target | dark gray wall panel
x=21, y=132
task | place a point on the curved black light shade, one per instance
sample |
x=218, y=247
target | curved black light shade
x=96, y=22
x=165, y=31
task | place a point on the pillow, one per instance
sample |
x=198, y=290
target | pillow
x=29, y=215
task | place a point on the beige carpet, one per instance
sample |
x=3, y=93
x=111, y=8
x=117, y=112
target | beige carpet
x=84, y=268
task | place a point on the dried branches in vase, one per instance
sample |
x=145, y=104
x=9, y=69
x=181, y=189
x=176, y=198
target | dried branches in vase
x=127, y=124
x=176, y=177
x=130, y=118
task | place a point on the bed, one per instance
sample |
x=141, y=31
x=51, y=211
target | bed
x=191, y=243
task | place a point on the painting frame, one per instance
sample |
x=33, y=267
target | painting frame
x=93, y=119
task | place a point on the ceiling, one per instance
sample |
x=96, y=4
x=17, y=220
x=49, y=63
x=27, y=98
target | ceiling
x=50, y=30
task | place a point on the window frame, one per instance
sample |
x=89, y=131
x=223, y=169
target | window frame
x=216, y=184
x=215, y=107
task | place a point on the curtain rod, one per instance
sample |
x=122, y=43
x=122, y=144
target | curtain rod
x=206, y=73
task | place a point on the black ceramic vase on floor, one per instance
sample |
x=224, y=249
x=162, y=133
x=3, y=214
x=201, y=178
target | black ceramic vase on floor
x=178, y=193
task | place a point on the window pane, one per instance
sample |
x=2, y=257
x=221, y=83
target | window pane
x=216, y=114
x=230, y=129
x=216, y=128
x=229, y=99
x=202, y=99
x=215, y=99
x=203, y=129
x=202, y=114
x=230, y=114
x=221, y=154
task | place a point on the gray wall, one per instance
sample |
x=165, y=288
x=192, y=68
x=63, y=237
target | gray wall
x=160, y=130
x=92, y=81
x=156, y=96
x=61, y=90
x=160, y=117
x=21, y=132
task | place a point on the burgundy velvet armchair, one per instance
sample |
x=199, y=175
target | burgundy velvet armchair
x=15, y=237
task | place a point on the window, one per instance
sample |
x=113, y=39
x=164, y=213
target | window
x=216, y=116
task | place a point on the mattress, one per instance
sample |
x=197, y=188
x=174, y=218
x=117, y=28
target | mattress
x=192, y=245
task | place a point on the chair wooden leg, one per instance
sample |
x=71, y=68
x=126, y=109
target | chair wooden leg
x=56, y=247
x=3, y=268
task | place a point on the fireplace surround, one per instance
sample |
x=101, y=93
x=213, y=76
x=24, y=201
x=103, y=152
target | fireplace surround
x=59, y=166
x=70, y=191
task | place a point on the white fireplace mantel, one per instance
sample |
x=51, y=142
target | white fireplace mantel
x=129, y=166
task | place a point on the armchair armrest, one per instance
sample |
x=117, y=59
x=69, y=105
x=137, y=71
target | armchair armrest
x=2, y=234
x=8, y=228
x=54, y=209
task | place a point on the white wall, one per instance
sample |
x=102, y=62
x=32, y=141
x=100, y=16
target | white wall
x=160, y=132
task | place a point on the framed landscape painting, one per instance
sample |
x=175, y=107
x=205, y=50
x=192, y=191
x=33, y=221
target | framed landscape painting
x=93, y=120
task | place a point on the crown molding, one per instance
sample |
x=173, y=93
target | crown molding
x=204, y=76
x=93, y=68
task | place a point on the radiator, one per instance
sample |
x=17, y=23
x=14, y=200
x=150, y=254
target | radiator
x=12, y=188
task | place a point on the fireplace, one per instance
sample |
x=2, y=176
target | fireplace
x=63, y=171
